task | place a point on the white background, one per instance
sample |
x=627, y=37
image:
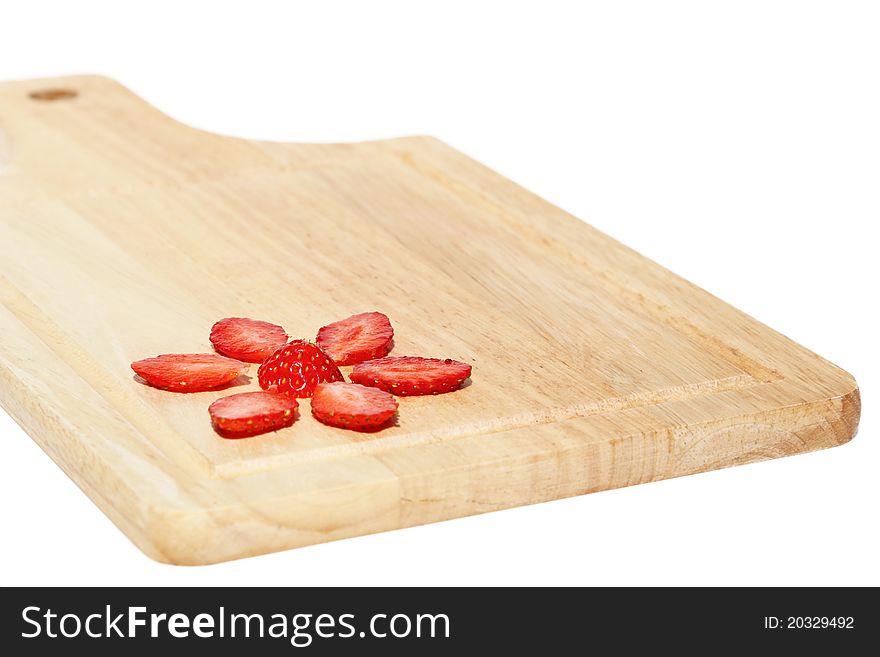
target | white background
x=736, y=143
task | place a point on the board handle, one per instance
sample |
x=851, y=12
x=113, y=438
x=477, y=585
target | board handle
x=89, y=134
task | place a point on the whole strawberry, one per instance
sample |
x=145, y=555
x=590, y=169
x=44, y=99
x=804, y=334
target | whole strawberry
x=296, y=369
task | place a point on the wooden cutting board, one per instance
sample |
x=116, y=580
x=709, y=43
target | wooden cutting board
x=125, y=234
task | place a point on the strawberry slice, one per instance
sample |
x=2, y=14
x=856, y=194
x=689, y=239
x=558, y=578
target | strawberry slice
x=251, y=413
x=352, y=406
x=357, y=338
x=188, y=372
x=250, y=340
x=296, y=368
x=411, y=375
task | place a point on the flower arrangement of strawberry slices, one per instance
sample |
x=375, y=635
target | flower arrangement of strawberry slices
x=292, y=369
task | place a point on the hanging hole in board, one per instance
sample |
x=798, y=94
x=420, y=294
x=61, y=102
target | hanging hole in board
x=53, y=94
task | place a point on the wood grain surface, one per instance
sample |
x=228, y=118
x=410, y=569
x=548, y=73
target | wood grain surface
x=125, y=234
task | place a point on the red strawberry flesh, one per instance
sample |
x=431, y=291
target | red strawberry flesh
x=188, y=372
x=296, y=368
x=352, y=406
x=411, y=375
x=357, y=338
x=250, y=340
x=252, y=413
